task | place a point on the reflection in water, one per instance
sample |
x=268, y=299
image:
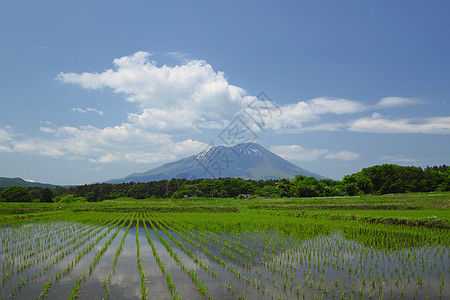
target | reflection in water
x=259, y=265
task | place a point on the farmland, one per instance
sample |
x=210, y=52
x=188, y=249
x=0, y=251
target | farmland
x=368, y=247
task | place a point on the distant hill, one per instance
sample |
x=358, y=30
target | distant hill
x=7, y=182
x=247, y=161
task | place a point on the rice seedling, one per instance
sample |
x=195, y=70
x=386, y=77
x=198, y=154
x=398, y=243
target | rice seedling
x=139, y=264
x=262, y=253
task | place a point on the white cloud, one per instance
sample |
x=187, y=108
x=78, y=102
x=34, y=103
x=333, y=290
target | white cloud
x=184, y=98
x=295, y=152
x=5, y=149
x=6, y=136
x=39, y=147
x=83, y=111
x=187, y=98
x=306, y=115
x=158, y=120
x=47, y=129
x=194, y=89
x=343, y=155
x=299, y=153
x=337, y=106
x=398, y=159
x=389, y=102
x=379, y=124
x=125, y=143
x=298, y=114
x=180, y=56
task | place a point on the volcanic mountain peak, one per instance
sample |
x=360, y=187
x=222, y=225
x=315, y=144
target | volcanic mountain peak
x=247, y=161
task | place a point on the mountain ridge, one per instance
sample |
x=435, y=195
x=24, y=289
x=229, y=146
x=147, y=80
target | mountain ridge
x=6, y=182
x=246, y=161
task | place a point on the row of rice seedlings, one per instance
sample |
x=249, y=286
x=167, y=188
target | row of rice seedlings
x=210, y=270
x=241, y=267
x=106, y=284
x=32, y=237
x=200, y=285
x=23, y=260
x=105, y=246
x=47, y=285
x=353, y=265
x=141, y=270
x=244, y=252
x=280, y=250
x=44, y=269
x=18, y=238
x=284, y=262
x=69, y=267
x=73, y=294
x=107, y=281
x=373, y=266
x=78, y=243
x=170, y=283
x=50, y=253
x=235, y=272
x=119, y=249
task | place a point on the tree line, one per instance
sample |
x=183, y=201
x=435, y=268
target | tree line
x=377, y=180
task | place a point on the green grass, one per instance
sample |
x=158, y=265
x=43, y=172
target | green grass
x=420, y=206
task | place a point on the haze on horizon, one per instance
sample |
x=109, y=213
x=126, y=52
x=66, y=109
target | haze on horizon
x=95, y=91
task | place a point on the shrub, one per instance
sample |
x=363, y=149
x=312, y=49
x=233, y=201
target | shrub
x=16, y=194
x=71, y=198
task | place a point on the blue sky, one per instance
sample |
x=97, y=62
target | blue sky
x=94, y=90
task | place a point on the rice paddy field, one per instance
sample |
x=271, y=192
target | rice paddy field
x=377, y=247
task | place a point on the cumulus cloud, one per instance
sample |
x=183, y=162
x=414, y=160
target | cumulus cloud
x=306, y=115
x=186, y=97
x=189, y=97
x=159, y=120
x=299, y=153
x=125, y=143
x=193, y=88
x=295, y=116
x=379, y=124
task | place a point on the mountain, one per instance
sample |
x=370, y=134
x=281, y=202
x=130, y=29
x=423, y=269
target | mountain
x=247, y=161
x=7, y=182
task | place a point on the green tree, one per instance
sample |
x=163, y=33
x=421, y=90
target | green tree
x=284, y=187
x=303, y=186
x=71, y=198
x=445, y=185
x=268, y=191
x=16, y=194
x=46, y=196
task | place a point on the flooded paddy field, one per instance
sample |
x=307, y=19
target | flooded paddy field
x=204, y=255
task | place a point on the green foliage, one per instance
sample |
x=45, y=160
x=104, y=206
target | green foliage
x=16, y=194
x=389, y=179
x=220, y=188
x=46, y=196
x=445, y=185
x=375, y=180
x=268, y=191
x=71, y=198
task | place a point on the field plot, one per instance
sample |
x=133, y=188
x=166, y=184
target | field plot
x=218, y=255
